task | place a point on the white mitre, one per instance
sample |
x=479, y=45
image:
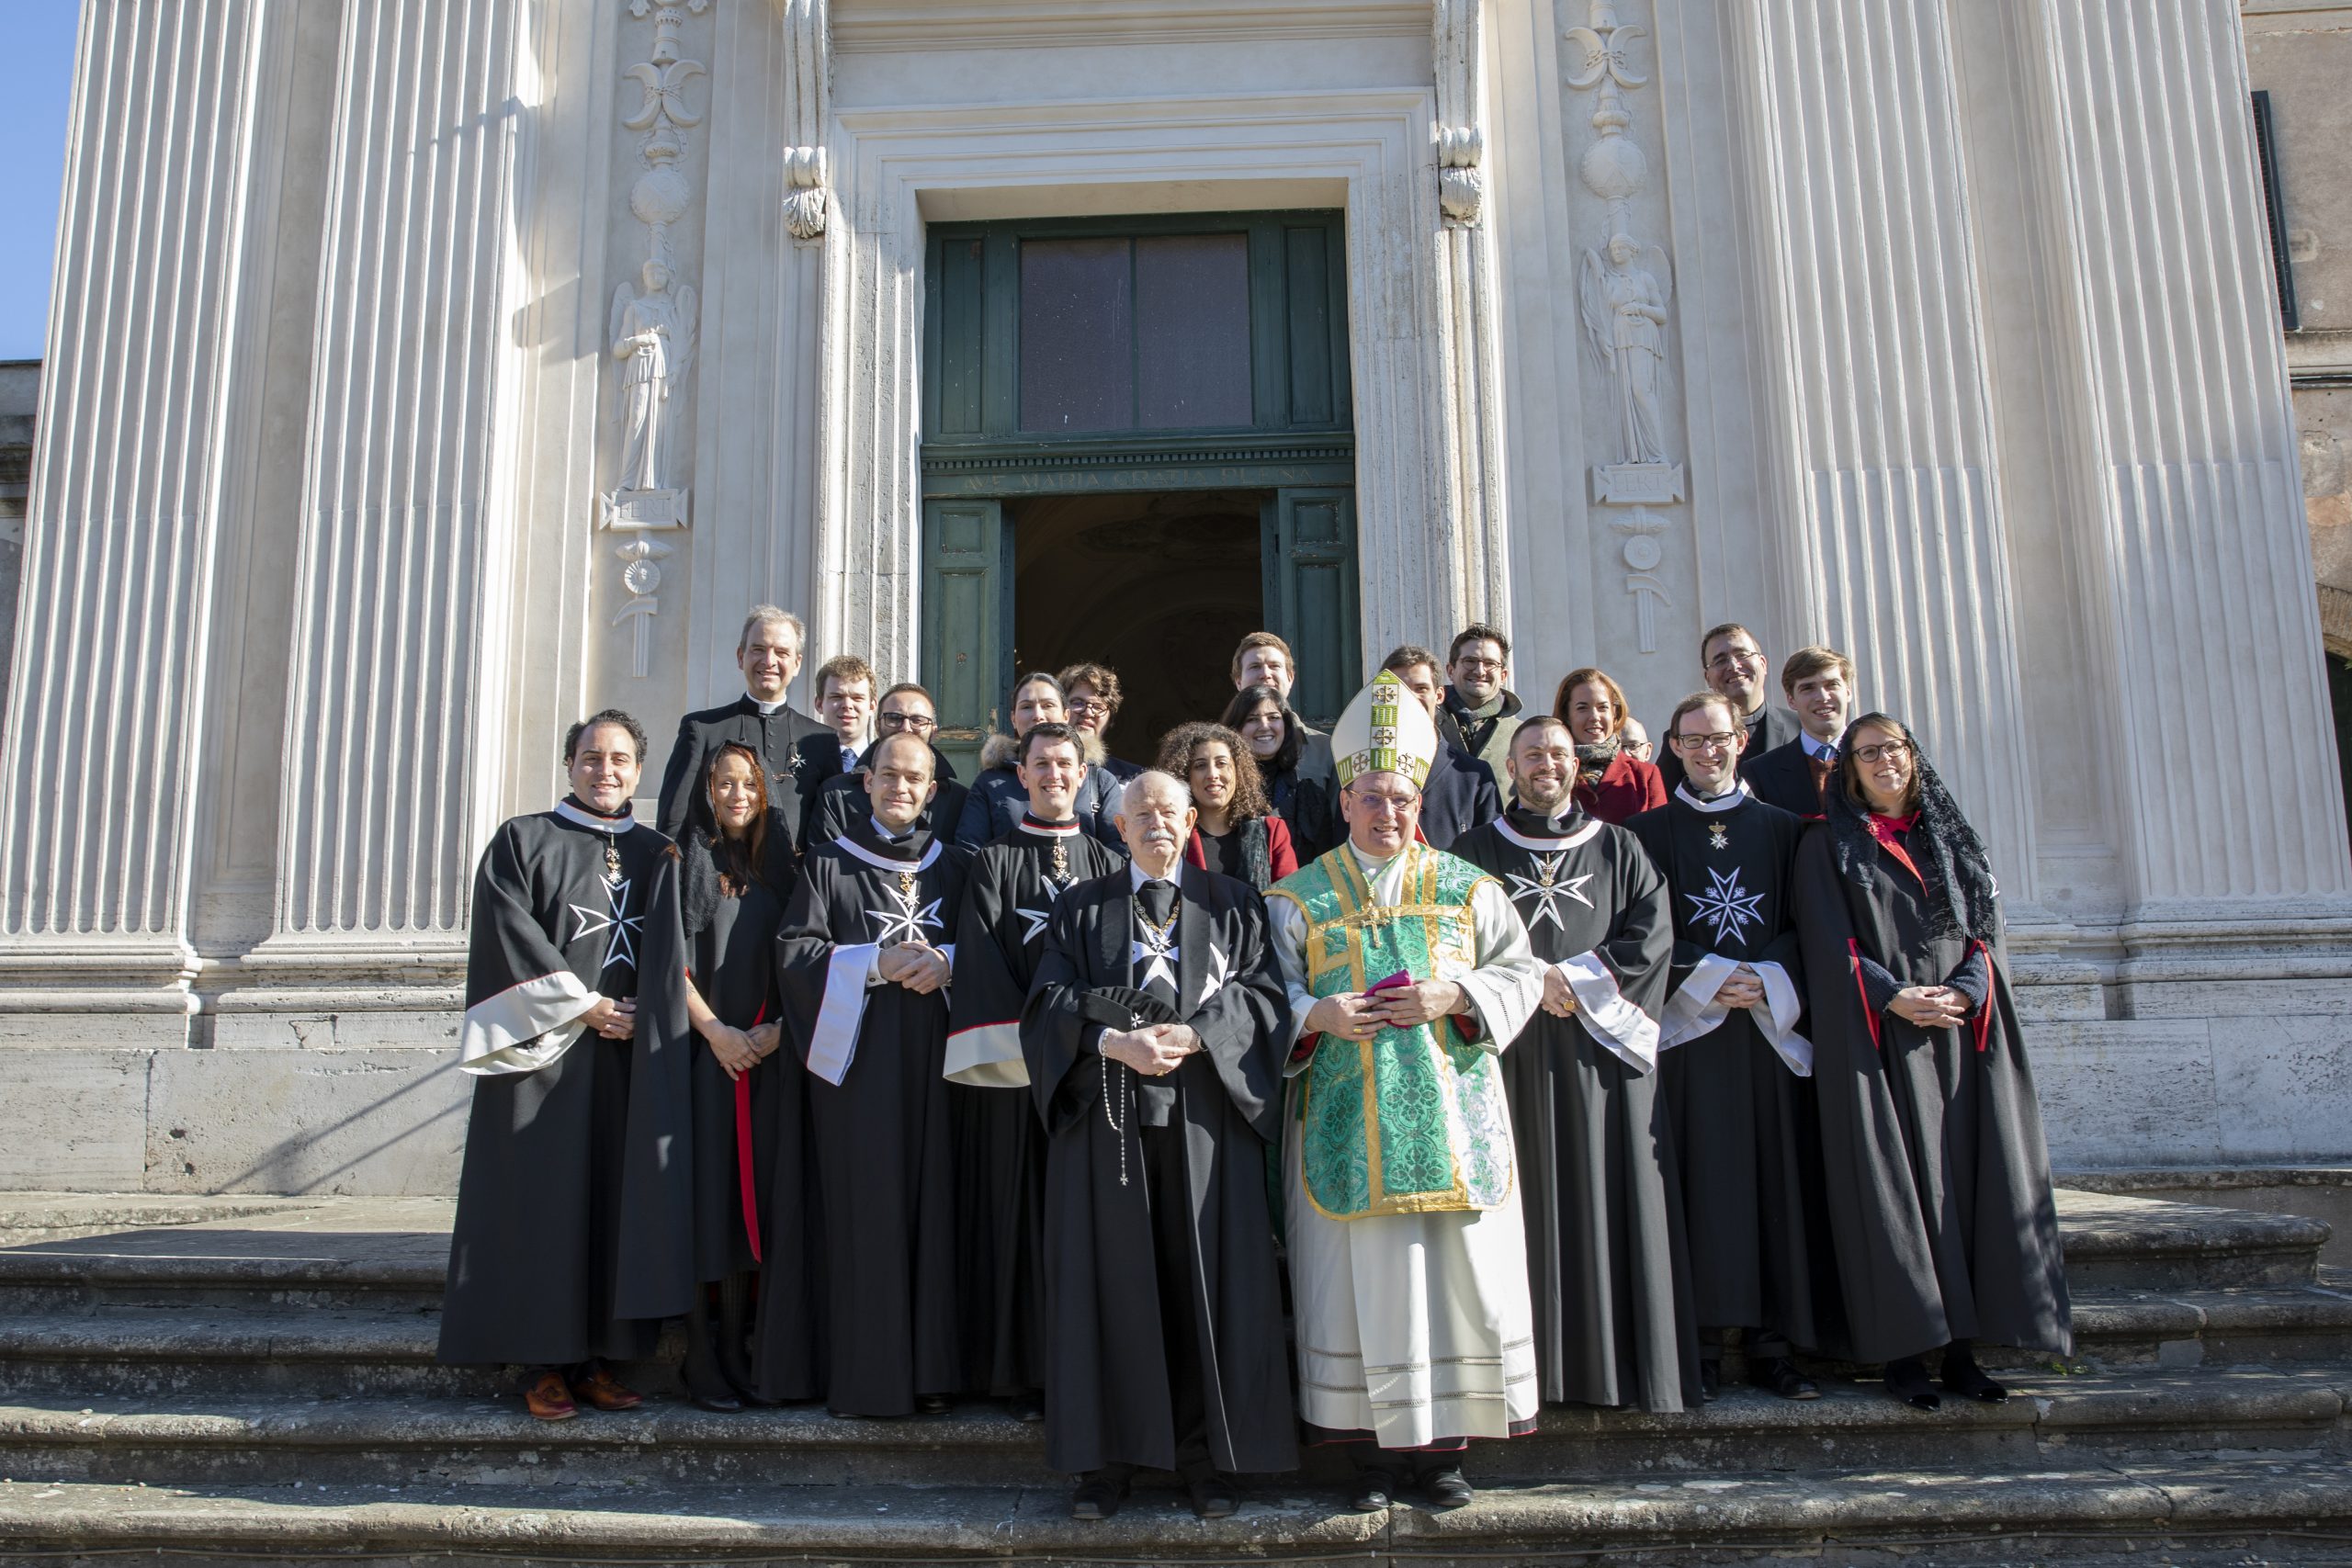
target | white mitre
x=1385, y=730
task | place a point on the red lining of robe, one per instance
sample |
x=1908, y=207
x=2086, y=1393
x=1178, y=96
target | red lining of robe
x=749, y=1187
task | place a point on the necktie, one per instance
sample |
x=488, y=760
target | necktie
x=1822, y=767
x=1156, y=977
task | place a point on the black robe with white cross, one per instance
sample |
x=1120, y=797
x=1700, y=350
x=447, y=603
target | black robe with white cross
x=574, y=1218
x=1737, y=1082
x=1107, y=1399
x=1599, y=1194
x=1008, y=894
x=1939, y=1181
x=871, y=1323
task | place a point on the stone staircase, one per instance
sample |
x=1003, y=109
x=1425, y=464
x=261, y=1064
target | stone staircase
x=252, y=1380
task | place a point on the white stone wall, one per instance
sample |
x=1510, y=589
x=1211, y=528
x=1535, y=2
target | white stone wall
x=1965, y=362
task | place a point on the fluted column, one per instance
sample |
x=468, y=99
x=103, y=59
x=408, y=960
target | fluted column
x=2218, y=730
x=392, y=749
x=1880, y=399
x=139, y=398
x=1471, y=488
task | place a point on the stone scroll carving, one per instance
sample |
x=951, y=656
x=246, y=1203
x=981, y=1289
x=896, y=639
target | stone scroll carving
x=1460, y=139
x=1625, y=303
x=809, y=66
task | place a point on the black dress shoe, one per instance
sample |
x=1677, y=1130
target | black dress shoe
x=1098, y=1495
x=1710, y=1380
x=1376, y=1490
x=1447, y=1488
x=1780, y=1375
x=1214, y=1497
x=1030, y=1408
x=1908, y=1380
x=1964, y=1377
x=706, y=1399
x=933, y=1403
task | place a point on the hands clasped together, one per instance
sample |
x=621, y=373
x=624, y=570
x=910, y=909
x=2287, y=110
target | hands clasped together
x=1357, y=1015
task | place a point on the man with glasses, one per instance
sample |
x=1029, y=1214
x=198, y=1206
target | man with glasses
x=1819, y=684
x=1733, y=665
x=1407, y=971
x=1460, y=792
x=905, y=709
x=1733, y=1069
x=1478, y=704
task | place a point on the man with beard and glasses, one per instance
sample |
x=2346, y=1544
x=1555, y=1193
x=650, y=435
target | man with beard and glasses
x=1736, y=1072
x=1408, y=970
x=1603, y=1216
x=1478, y=703
x=1153, y=1039
x=1009, y=892
x=863, y=959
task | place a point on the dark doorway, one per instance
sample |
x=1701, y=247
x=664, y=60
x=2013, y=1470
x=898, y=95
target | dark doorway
x=1158, y=587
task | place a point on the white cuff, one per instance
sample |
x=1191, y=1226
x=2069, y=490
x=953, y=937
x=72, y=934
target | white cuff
x=834, y=1043
x=1776, y=1019
x=988, y=1056
x=1693, y=1010
x=1606, y=1016
x=524, y=1027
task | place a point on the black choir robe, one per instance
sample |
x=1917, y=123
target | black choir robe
x=574, y=1218
x=1008, y=894
x=1939, y=1182
x=1735, y=1081
x=873, y=1322
x=1107, y=1387
x=1599, y=1190
x=775, y=737
x=730, y=945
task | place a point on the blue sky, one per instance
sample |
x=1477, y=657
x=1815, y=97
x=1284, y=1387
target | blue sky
x=32, y=163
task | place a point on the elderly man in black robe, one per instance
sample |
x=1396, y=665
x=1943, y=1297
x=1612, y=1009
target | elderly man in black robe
x=1604, y=1241
x=768, y=653
x=1009, y=895
x=863, y=959
x=1153, y=1044
x=1734, y=1069
x=575, y=1216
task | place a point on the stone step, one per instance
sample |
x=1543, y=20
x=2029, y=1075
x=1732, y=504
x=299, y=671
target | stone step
x=413, y=1441
x=2275, y=1510
x=297, y=1351
x=2113, y=1239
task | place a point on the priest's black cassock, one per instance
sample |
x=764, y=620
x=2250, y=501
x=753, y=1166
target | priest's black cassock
x=1735, y=1080
x=1604, y=1241
x=876, y=1324
x=774, y=733
x=1939, y=1182
x=1009, y=893
x=574, y=1225
x=1162, y=1296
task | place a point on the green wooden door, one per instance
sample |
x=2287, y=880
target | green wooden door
x=1310, y=587
x=967, y=622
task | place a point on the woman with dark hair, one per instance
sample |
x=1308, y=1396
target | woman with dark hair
x=736, y=879
x=1276, y=738
x=1236, y=832
x=997, y=797
x=1612, y=783
x=1938, y=1182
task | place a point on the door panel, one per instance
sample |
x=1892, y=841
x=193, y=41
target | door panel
x=1311, y=594
x=966, y=621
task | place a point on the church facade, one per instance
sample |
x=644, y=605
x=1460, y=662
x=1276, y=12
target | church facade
x=423, y=374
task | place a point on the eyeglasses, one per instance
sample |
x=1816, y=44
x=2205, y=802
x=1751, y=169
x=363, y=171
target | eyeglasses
x=1736, y=656
x=1471, y=662
x=1721, y=741
x=1872, y=755
x=921, y=723
x=1087, y=706
x=1385, y=804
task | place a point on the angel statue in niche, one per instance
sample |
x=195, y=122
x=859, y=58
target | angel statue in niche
x=653, y=337
x=1623, y=307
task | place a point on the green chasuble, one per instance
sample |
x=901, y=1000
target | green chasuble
x=1412, y=1120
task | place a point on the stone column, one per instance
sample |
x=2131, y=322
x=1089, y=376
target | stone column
x=2217, y=724
x=392, y=750
x=1877, y=402
x=145, y=390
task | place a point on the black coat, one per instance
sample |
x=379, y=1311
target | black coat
x=1783, y=777
x=1458, y=794
x=776, y=737
x=840, y=800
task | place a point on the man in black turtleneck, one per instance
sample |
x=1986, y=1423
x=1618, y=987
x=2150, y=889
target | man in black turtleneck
x=768, y=653
x=1603, y=1230
x=1734, y=1076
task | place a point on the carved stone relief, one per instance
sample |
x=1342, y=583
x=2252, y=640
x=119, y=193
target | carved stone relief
x=1625, y=302
x=809, y=75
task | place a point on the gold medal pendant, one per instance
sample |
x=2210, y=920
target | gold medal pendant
x=907, y=886
x=612, y=862
x=1716, y=837
x=1061, y=861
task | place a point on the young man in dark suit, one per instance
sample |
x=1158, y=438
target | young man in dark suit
x=1819, y=684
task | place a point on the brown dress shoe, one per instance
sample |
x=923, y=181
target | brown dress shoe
x=545, y=1396
x=594, y=1386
